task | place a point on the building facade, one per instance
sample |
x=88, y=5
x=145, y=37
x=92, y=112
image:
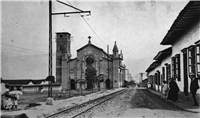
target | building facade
x=183, y=57
x=91, y=65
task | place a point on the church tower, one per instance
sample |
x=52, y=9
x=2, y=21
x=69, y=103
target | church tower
x=115, y=66
x=62, y=53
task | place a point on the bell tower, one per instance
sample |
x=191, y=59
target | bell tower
x=62, y=52
x=115, y=66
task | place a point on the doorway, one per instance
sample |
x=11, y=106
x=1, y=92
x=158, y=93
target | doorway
x=73, y=84
x=107, y=83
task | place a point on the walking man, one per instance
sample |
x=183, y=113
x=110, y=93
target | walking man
x=193, y=88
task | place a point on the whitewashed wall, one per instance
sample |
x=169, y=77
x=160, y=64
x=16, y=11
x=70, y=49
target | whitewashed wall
x=36, y=89
x=189, y=38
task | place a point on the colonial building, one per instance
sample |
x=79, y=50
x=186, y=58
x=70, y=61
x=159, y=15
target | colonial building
x=183, y=57
x=90, y=61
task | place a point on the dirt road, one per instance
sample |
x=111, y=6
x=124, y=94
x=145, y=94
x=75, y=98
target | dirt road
x=138, y=103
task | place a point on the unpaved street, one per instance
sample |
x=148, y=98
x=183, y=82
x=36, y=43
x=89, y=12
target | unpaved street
x=138, y=103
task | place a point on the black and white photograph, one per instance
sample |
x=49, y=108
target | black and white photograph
x=100, y=58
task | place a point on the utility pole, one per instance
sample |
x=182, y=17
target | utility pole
x=141, y=75
x=99, y=72
x=108, y=61
x=81, y=75
x=50, y=35
x=69, y=76
x=50, y=49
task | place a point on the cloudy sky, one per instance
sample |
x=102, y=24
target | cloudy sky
x=137, y=26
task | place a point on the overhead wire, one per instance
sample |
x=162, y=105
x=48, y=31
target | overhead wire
x=88, y=24
x=23, y=48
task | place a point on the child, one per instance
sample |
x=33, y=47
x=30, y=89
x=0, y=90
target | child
x=165, y=88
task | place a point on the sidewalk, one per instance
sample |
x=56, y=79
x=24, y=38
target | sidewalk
x=183, y=102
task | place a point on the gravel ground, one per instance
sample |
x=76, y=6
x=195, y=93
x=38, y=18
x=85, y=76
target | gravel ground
x=58, y=105
x=138, y=103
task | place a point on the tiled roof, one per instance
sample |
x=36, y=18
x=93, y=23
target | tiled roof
x=163, y=54
x=153, y=66
x=186, y=18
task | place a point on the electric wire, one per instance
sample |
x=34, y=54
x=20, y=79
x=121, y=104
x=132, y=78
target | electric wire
x=88, y=25
x=23, y=48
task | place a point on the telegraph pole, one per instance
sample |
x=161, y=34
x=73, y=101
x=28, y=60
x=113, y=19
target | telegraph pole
x=108, y=61
x=141, y=77
x=50, y=48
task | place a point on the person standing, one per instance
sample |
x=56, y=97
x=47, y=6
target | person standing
x=173, y=90
x=2, y=87
x=165, y=88
x=193, y=88
x=2, y=91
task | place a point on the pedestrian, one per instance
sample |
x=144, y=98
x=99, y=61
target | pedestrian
x=2, y=91
x=149, y=85
x=15, y=96
x=41, y=90
x=173, y=90
x=165, y=88
x=193, y=88
x=2, y=87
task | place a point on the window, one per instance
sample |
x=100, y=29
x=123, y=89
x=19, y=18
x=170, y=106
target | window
x=163, y=73
x=198, y=58
x=158, y=77
x=59, y=71
x=168, y=71
x=177, y=67
x=151, y=79
x=60, y=60
x=173, y=67
x=191, y=59
x=156, y=81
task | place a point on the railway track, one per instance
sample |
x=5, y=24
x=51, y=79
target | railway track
x=78, y=110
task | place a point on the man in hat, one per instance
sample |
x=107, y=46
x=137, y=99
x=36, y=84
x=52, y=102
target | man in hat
x=193, y=88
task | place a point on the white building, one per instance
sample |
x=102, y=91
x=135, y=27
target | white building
x=183, y=57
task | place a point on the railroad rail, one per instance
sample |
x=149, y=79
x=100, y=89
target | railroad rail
x=84, y=107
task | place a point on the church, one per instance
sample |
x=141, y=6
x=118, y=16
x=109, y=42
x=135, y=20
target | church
x=92, y=68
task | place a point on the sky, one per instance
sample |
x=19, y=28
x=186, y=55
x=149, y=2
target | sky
x=138, y=27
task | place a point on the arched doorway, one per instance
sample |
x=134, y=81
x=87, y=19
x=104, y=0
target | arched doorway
x=90, y=72
x=73, y=84
x=107, y=83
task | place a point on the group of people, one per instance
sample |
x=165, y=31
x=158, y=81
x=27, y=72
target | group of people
x=9, y=98
x=171, y=91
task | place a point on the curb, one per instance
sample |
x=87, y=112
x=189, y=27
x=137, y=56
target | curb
x=172, y=102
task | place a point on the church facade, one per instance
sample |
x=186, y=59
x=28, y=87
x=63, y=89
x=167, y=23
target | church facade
x=92, y=68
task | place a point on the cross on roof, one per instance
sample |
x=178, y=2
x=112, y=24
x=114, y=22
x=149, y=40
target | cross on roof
x=89, y=37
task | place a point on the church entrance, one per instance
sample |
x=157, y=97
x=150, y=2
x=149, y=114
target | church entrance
x=73, y=83
x=90, y=72
x=107, y=83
